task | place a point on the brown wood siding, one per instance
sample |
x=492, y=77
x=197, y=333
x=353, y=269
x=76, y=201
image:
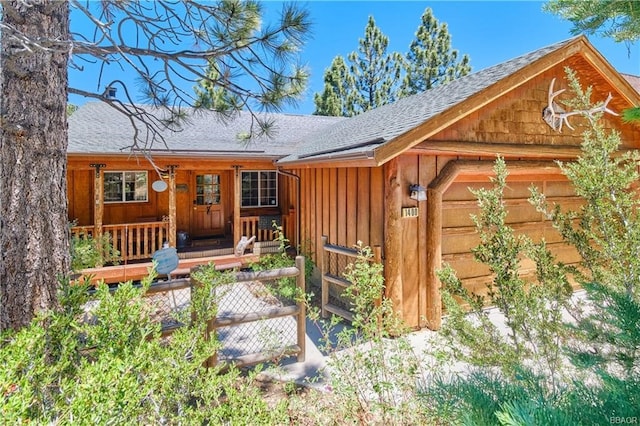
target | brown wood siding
x=80, y=178
x=343, y=204
x=516, y=117
x=459, y=235
x=80, y=196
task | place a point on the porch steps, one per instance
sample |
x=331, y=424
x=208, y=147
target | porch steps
x=205, y=253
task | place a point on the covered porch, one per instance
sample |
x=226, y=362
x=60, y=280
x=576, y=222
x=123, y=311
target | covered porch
x=201, y=207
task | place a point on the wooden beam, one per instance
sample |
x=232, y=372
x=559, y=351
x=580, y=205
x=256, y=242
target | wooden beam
x=193, y=162
x=427, y=172
x=434, y=259
x=393, y=235
x=475, y=149
x=237, y=192
x=473, y=170
x=172, y=206
x=98, y=193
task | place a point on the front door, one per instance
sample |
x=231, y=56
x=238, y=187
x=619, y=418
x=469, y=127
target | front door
x=207, y=215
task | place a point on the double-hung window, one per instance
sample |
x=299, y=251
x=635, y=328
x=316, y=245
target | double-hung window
x=125, y=187
x=259, y=188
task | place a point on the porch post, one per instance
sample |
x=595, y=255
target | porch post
x=98, y=194
x=237, y=191
x=172, y=205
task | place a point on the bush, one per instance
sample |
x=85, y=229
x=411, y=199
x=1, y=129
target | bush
x=600, y=347
x=105, y=363
x=87, y=252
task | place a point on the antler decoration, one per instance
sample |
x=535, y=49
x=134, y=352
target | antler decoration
x=554, y=115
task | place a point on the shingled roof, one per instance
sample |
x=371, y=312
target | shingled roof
x=362, y=134
x=634, y=80
x=98, y=128
x=375, y=135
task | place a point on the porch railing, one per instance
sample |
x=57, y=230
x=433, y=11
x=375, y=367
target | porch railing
x=262, y=226
x=133, y=240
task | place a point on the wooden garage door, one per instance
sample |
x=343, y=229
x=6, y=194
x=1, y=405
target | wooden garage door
x=459, y=234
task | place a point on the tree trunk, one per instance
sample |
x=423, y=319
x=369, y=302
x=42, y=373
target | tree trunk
x=34, y=230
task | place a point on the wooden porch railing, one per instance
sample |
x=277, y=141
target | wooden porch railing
x=133, y=240
x=250, y=225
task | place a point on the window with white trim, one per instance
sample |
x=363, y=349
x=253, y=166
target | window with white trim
x=125, y=187
x=259, y=188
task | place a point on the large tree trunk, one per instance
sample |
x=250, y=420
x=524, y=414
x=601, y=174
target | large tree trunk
x=34, y=231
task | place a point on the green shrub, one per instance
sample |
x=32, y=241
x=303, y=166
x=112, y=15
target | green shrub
x=285, y=288
x=374, y=377
x=532, y=308
x=105, y=363
x=600, y=347
x=87, y=252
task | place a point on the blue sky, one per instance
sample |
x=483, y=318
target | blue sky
x=490, y=32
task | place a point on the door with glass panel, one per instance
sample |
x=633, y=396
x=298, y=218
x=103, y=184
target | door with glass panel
x=207, y=214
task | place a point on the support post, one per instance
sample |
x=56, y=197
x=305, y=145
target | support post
x=302, y=313
x=172, y=206
x=324, y=263
x=434, y=256
x=98, y=195
x=377, y=258
x=393, y=236
x=237, y=191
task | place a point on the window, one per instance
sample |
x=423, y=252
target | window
x=259, y=189
x=207, y=189
x=122, y=187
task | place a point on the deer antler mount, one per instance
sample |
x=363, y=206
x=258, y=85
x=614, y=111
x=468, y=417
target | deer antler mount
x=555, y=116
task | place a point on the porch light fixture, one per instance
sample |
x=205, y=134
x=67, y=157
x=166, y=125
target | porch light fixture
x=417, y=192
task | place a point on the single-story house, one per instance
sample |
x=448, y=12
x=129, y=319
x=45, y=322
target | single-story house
x=395, y=177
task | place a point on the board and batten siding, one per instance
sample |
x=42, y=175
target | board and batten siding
x=345, y=204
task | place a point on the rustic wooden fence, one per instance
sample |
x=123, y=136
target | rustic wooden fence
x=335, y=260
x=134, y=241
x=262, y=226
x=174, y=293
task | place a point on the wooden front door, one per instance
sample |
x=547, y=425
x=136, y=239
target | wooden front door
x=207, y=214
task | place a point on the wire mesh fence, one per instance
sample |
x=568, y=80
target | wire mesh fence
x=254, y=321
x=242, y=301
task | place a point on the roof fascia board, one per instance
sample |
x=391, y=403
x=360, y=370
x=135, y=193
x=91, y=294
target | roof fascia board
x=613, y=77
x=352, y=160
x=81, y=161
x=439, y=122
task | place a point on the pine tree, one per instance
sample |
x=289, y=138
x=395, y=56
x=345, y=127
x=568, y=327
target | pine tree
x=370, y=80
x=430, y=60
x=375, y=77
x=619, y=19
x=376, y=72
x=338, y=89
x=143, y=39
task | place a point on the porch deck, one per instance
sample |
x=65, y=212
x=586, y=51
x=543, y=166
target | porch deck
x=138, y=241
x=137, y=271
x=148, y=237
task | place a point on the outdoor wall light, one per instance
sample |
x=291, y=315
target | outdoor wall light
x=417, y=192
